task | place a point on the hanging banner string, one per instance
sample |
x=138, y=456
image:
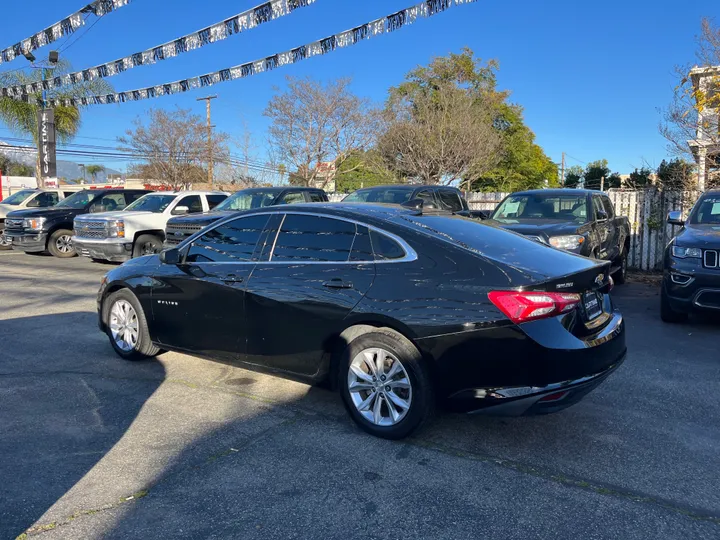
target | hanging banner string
x=246, y=20
x=378, y=27
x=60, y=29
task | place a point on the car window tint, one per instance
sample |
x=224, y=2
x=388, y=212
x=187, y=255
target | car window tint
x=193, y=202
x=427, y=196
x=313, y=238
x=385, y=248
x=133, y=196
x=68, y=193
x=608, y=207
x=362, y=247
x=234, y=241
x=293, y=198
x=109, y=203
x=597, y=203
x=214, y=200
x=316, y=197
x=48, y=199
x=450, y=200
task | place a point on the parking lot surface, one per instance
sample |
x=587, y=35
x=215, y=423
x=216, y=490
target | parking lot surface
x=179, y=447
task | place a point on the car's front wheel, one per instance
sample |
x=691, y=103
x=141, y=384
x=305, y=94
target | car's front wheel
x=385, y=385
x=126, y=326
x=147, y=244
x=60, y=244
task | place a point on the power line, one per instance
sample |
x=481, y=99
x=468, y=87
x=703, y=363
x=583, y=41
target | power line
x=576, y=159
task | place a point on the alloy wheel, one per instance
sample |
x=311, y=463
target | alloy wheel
x=379, y=387
x=64, y=243
x=124, y=325
x=4, y=241
x=148, y=248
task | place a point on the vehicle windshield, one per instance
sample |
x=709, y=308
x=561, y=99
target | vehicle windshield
x=77, y=201
x=247, y=200
x=571, y=207
x=151, y=203
x=18, y=198
x=707, y=211
x=390, y=195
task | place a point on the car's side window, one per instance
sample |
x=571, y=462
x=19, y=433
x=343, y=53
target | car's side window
x=132, y=196
x=362, y=247
x=316, y=197
x=68, y=193
x=306, y=238
x=598, y=206
x=427, y=196
x=385, y=248
x=608, y=207
x=192, y=202
x=214, y=200
x=109, y=203
x=234, y=241
x=293, y=198
x=450, y=200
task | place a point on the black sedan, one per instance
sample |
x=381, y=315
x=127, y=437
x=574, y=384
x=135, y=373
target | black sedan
x=394, y=307
x=691, y=277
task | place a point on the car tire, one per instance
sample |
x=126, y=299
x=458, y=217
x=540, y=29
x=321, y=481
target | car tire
x=391, y=408
x=60, y=244
x=620, y=276
x=147, y=244
x=667, y=313
x=122, y=311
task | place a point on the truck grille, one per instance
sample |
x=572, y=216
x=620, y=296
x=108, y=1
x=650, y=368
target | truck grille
x=14, y=224
x=91, y=229
x=174, y=234
x=710, y=258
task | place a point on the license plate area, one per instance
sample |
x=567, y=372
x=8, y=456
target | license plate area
x=592, y=305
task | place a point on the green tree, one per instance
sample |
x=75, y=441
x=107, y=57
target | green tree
x=573, y=175
x=21, y=116
x=613, y=181
x=594, y=172
x=359, y=170
x=676, y=174
x=640, y=178
x=94, y=170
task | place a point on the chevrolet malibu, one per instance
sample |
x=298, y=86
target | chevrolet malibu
x=395, y=308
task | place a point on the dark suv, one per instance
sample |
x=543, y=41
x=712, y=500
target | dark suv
x=181, y=227
x=51, y=229
x=691, y=269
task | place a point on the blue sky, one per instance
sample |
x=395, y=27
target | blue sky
x=590, y=75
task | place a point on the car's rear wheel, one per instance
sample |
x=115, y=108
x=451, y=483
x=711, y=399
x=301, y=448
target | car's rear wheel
x=667, y=313
x=147, y=244
x=385, y=385
x=126, y=326
x=60, y=244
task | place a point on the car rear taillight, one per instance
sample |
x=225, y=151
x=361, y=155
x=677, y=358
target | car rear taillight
x=529, y=306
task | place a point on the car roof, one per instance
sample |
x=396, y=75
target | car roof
x=407, y=187
x=187, y=193
x=277, y=189
x=560, y=191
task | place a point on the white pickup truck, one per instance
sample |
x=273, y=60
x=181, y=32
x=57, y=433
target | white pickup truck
x=27, y=198
x=139, y=229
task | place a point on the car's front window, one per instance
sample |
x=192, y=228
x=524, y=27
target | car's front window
x=78, y=201
x=540, y=206
x=386, y=195
x=152, y=203
x=18, y=198
x=247, y=200
x=707, y=211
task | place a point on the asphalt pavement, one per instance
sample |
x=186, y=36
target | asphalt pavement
x=178, y=447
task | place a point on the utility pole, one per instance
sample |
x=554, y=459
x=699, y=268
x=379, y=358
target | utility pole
x=207, y=101
x=562, y=174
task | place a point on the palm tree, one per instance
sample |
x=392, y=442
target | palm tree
x=94, y=170
x=21, y=117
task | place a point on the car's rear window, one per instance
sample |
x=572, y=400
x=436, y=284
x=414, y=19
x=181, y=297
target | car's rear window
x=380, y=195
x=498, y=244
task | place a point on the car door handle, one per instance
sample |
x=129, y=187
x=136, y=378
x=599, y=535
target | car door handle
x=230, y=279
x=338, y=284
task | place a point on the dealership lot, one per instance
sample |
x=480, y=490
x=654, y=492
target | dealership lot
x=94, y=446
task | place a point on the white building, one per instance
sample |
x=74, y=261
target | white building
x=706, y=145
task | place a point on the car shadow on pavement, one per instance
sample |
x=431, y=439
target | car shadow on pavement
x=65, y=403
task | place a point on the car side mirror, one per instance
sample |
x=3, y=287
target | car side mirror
x=419, y=204
x=602, y=215
x=170, y=256
x=180, y=211
x=675, y=218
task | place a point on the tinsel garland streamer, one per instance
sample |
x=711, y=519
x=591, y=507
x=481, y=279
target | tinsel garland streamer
x=375, y=28
x=60, y=29
x=220, y=31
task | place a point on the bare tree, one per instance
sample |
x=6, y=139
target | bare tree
x=314, y=123
x=173, y=147
x=690, y=122
x=438, y=137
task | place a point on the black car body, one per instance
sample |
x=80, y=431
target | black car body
x=41, y=229
x=445, y=198
x=181, y=227
x=478, y=316
x=691, y=268
x=575, y=220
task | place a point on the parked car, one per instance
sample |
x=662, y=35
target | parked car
x=392, y=306
x=691, y=268
x=50, y=229
x=180, y=228
x=27, y=198
x=139, y=229
x=432, y=196
x=575, y=220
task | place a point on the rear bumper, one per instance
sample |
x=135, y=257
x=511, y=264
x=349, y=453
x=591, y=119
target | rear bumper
x=28, y=242
x=109, y=249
